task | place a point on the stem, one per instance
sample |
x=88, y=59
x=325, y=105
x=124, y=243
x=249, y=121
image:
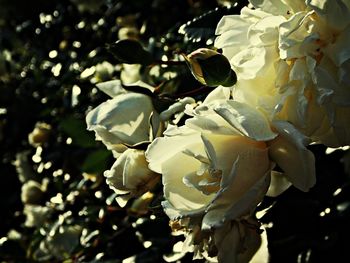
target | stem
x=168, y=63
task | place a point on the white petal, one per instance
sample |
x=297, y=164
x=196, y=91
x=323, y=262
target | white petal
x=236, y=242
x=289, y=152
x=179, y=195
x=164, y=148
x=339, y=51
x=211, y=123
x=335, y=13
x=242, y=187
x=123, y=119
x=247, y=120
x=219, y=93
x=262, y=255
x=112, y=88
x=275, y=7
x=279, y=184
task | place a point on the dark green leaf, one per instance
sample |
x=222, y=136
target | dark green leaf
x=131, y=52
x=76, y=129
x=217, y=71
x=96, y=162
x=202, y=28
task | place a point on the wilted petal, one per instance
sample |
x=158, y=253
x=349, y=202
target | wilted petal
x=236, y=242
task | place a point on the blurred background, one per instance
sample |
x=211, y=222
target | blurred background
x=55, y=204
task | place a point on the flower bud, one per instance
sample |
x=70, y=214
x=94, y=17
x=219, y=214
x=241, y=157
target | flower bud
x=130, y=176
x=40, y=134
x=211, y=68
x=141, y=204
x=128, y=33
x=32, y=192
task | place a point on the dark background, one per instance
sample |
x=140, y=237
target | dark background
x=302, y=227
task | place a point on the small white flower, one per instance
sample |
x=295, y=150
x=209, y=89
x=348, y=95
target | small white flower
x=36, y=215
x=123, y=120
x=130, y=176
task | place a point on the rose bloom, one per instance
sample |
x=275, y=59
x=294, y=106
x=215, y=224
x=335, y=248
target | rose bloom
x=123, y=121
x=130, y=177
x=216, y=168
x=292, y=62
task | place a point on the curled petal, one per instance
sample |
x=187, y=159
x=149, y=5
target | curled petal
x=247, y=120
x=112, y=88
x=121, y=120
x=279, y=184
x=289, y=152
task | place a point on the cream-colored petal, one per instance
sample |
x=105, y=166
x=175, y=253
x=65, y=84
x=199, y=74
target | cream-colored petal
x=236, y=242
x=275, y=7
x=241, y=182
x=289, y=152
x=211, y=123
x=219, y=93
x=279, y=184
x=247, y=120
x=164, y=148
x=112, y=88
x=335, y=13
x=176, y=192
x=123, y=119
x=339, y=51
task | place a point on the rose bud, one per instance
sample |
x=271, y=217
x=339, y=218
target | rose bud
x=211, y=68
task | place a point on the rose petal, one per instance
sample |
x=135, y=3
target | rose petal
x=121, y=120
x=279, y=184
x=247, y=120
x=112, y=88
x=289, y=152
x=164, y=148
x=275, y=7
x=335, y=13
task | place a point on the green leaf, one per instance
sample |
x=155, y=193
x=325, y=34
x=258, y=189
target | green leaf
x=130, y=52
x=76, y=129
x=217, y=71
x=97, y=161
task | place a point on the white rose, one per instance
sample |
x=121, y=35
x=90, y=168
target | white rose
x=292, y=62
x=125, y=120
x=32, y=192
x=36, y=215
x=216, y=168
x=130, y=176
x=61, y=243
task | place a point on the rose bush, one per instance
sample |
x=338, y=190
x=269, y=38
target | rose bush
x=216, y=168
x=292, y=62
